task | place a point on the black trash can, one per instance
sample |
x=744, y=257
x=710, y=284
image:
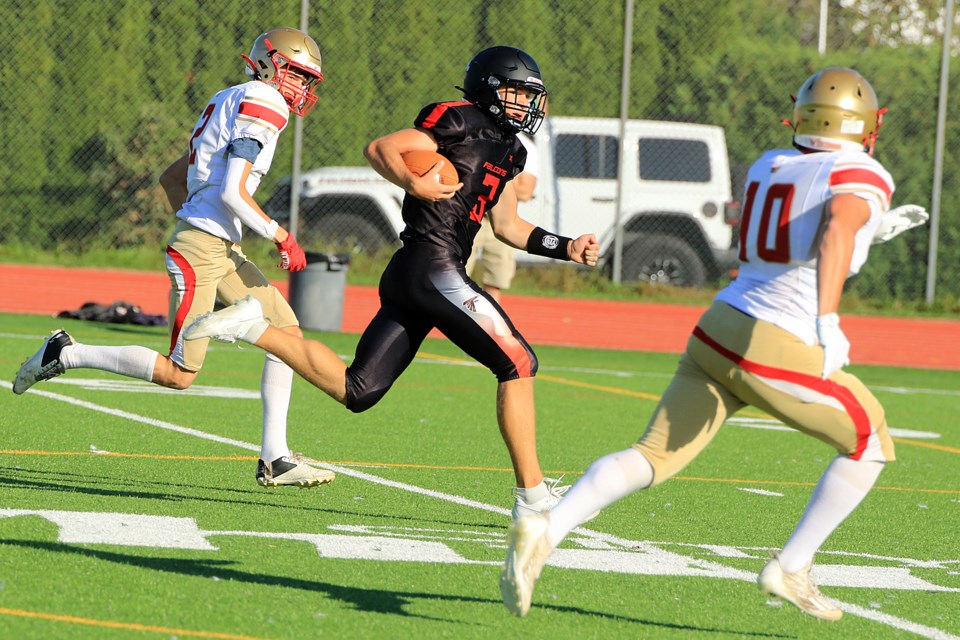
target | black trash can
x=316, y=293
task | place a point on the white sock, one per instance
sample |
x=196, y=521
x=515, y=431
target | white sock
x=132, y=361
x=533, y=494
x=275, y=385
x=254, y=331
x=608, y=479
x=843, y=485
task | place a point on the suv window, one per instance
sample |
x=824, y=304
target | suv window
x=586, y=156
x=674, y=160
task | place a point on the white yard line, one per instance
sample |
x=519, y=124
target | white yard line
x=868, y=614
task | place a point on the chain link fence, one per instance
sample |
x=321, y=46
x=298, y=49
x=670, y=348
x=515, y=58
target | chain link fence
x=99, y=96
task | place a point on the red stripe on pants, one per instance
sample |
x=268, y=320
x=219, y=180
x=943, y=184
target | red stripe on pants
x=189, y=288
x=826, y=387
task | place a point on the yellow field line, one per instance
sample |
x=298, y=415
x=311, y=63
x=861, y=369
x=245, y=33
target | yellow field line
x=597, y=387
x=124, y=625
x=440, y=467
x=927, y=445
x=153, y=456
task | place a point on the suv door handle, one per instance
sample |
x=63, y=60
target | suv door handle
x=601, y=199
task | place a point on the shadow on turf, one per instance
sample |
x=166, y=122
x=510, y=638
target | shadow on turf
x=366, y=600
x=63, y=481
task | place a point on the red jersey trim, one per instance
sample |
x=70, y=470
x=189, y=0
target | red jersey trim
x=860, y=176
x=263, y=113
x=827, y=387
x=438, y=111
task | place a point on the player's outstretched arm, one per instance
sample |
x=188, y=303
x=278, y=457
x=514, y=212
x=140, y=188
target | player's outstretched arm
x=896, y=221
x=517, y=232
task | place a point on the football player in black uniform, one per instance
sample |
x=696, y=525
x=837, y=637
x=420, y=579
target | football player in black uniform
x=425, y=285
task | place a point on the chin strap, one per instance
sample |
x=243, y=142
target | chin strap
x=871, y=140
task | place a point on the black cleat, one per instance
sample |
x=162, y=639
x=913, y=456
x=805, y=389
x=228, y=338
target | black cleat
x=44, y=364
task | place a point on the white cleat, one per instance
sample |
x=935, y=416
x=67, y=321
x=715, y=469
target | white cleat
x=555, y=491
x=229, y=324
x=294, y=470
x=44, y=364
x=797, y=589
x=527, y=553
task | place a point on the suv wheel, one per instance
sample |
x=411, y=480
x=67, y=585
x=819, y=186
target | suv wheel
x=663, y=259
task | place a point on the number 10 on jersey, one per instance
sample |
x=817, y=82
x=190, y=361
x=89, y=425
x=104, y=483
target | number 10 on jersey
x=769, y=247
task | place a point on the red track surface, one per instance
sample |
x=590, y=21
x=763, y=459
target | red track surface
x=905, y=342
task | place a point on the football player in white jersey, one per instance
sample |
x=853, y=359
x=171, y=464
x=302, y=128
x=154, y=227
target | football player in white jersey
x=211, y=189
x=771, y=339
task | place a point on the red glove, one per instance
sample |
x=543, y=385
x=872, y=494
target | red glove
x=292, y=257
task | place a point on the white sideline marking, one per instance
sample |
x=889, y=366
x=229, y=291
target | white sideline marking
x=889, y=620
x=412, y=544
x=898, y=623
x=126, y=529
x=769, y=424
x=760, y=492
x=126, y=385
x=908, y=391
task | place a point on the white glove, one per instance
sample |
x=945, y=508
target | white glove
x=896, y=221
x=836, y=347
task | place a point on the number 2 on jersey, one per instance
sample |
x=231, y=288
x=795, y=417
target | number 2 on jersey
x=776, y=208
x=489, y=180
x=204, y=119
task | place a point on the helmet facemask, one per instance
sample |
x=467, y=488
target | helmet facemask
x=295, y=83
x=289, y=61
x=521, y=106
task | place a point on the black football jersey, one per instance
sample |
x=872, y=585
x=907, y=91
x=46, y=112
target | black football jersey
x=486, y=158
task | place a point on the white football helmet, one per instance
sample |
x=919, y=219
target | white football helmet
x=289, y=61
x=836, y=110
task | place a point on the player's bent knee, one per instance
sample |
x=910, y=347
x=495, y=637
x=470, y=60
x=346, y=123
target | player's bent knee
x=663, y=465
x=173, y=376
x=523, y=367
x=179, y=381
x=293, y=330
x=359, y=404
x=359, y=396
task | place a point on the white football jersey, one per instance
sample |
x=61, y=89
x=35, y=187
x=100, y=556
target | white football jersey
x=785, y=198
x=250, y=110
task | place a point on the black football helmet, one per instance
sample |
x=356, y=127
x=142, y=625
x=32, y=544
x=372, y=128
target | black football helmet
x=515, y=71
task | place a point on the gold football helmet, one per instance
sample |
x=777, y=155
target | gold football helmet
x=836, y=110
x=289, y=61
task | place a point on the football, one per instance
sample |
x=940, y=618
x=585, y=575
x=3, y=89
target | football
x=420, y=162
